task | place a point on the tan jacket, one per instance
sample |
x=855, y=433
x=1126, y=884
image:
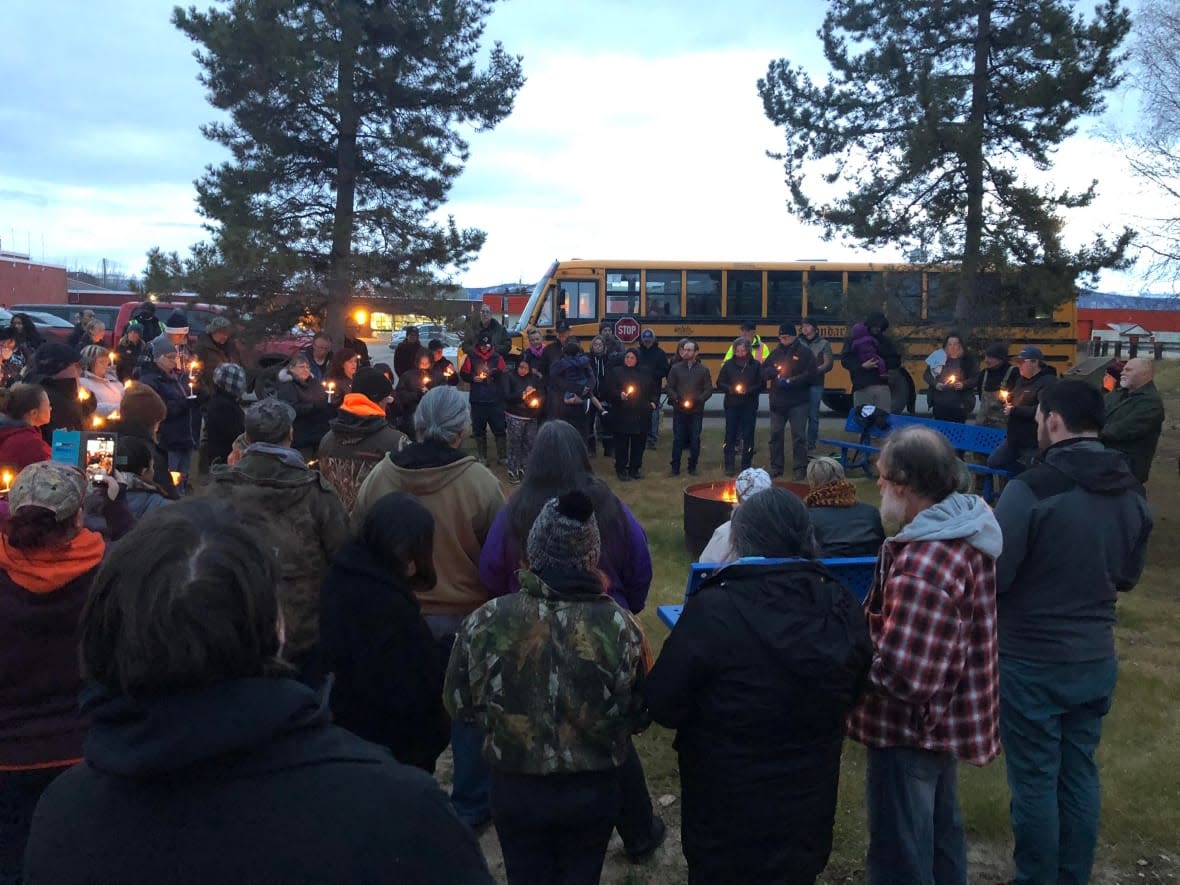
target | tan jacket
x=464, y=497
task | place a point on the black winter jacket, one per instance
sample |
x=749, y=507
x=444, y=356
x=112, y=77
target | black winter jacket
x=847, y=531
x=182, y=427
x=224, y=422
x=757, y=678
x=1025, y=398
x=749, y=377
x=630, y=414
x=312, y=409
x=242, y=781
x=790, y=371
x=389, y=673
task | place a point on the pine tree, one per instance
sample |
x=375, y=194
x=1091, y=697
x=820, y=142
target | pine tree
x=345, y=130
x=933, y=112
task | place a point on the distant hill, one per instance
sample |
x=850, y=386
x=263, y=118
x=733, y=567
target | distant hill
x=1111, y=301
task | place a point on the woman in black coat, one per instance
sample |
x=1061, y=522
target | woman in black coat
x=308, y=397
x=631, y=393
x=389, y=675
x=952, y=388
x=757, y=678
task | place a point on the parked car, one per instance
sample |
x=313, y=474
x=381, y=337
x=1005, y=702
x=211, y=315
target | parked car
x=51, y=328
x=107, y=313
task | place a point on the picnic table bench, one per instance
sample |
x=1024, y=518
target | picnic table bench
x=855, y=573
x=974, y=438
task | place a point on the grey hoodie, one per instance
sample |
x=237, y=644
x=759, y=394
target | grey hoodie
x=957, y=516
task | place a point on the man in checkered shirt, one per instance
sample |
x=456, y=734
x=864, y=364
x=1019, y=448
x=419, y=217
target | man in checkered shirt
x=933, y=695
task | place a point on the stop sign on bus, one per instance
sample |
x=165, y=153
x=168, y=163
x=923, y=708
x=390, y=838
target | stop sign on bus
x=627, y=329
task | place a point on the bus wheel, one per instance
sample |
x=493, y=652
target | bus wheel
x=838, y=401
x=902, y=392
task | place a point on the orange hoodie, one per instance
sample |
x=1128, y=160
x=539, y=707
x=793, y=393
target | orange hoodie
x=43, y=571
x=359, y=404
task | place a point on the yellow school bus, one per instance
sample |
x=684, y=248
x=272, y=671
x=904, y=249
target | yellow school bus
x=708, y=301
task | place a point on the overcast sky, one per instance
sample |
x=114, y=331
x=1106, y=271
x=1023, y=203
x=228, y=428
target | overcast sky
x=639, y=134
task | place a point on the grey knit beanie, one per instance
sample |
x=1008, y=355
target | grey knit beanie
x=565, y=533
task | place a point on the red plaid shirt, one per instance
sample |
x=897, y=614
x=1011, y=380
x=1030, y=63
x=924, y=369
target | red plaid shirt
x=934, y=682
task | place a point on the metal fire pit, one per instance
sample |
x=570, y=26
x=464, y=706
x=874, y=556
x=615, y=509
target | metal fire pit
x=708, y=504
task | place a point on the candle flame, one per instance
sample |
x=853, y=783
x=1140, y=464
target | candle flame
x=950, y=379
x=688, y=404
x=97, y=421
x=630, y=389
x=127, y=384
x=114, y=416
x=83, y=394
x=1004, y=394
x=175, y=474
x=534, y=402
x=6, y=478
x=737, y=389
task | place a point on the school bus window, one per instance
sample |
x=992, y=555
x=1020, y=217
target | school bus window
x=942, y=293
x=622, y=292
x=866, y=293
x=663, y=293
x=703, y=288
x=578, y=298
x=784, y=294
x=545, y=311
x=903, y=295
x=825, y=291
x=743, y=289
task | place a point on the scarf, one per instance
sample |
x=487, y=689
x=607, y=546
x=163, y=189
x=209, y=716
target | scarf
x=837, y=493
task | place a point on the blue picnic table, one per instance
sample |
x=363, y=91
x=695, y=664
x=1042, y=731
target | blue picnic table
x=854, y=572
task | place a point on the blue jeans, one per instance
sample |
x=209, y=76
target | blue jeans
x=686, y=431
x=1050, y=724
x=816, y=392
x=739, y=426
x=915, y=830
x=472, y=775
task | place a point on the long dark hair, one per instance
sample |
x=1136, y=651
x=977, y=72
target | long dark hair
x=559, y=463
x=399, y=530
x=28, y=335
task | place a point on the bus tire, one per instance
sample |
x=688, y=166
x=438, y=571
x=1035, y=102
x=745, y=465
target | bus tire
x=839, y=401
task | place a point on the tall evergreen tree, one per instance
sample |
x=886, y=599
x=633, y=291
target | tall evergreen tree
x=933, y=111
x=345, y=130
x=1153, y=149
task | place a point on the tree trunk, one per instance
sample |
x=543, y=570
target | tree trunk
x=340, y=268
x=973, y=163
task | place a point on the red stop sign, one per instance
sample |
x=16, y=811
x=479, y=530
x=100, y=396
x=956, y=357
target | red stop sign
x=627, y=329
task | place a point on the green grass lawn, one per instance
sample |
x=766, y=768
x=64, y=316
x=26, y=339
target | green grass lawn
x=1140, y=751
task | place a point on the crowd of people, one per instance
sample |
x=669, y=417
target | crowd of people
x=292, y=647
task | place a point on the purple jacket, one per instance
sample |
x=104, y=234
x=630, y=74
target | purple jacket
x=625, y=560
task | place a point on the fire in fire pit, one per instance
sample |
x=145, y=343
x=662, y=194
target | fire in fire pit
x=708, y=504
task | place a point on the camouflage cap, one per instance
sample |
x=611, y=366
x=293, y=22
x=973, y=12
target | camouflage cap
x=59, y=488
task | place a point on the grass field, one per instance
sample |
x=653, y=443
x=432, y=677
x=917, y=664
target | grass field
x=1140, y=751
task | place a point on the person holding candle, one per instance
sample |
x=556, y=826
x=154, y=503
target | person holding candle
x=481, y=368
x=740, y=379
x=952, y=387
x=790, y=370
x=298, y=388
x=412, y=385
x=1035, y=376
x=56, y=367
x=181, y=426
x=25, y=412
x=573, y=388
x=600, y=423
x=98, y=378
x=405, y=355
x=341, y=371
x=689, y=387
x=523, y=390
x=442, y=370
x=993, y=386
x=632, y=393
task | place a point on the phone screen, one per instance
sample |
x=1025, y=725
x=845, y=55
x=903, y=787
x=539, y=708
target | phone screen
x=100, y=455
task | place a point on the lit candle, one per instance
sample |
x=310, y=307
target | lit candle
x=1004, y=395
x=534, y=402
x=83, y=394
x=97, y=421
x=950, y=379
x=114, y=416
x=175, y=474
x=738, y=388
x=114, y=357
x=687, y=404
x=449, y=371
x=127, y=384
x=6, y=479
x=425, y=379
x=330, y=386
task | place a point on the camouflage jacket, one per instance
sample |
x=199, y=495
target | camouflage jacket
x=554, y=678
